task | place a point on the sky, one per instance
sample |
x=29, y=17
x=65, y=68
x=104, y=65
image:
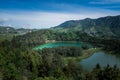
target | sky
x=49, y=13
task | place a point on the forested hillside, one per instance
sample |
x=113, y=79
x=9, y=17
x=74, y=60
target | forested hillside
x=43, y=36
x=104, y=26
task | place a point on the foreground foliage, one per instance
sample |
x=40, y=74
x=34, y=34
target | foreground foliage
x=19, y=62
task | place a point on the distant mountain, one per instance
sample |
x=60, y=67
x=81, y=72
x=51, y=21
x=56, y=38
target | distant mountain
x=104, y=26
x=6, y=29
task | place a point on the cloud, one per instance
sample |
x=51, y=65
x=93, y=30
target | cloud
x=46, y=19
x=3, y=20
x=105, y=2
x=112, y=7
x=40, y=19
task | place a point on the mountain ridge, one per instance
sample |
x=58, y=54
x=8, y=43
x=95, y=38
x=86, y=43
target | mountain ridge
x=103, y=26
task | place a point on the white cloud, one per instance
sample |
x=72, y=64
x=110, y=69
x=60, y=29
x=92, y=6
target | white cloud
x=116, y=6
x=3, y=21
x=105, y=2
x=42, y=19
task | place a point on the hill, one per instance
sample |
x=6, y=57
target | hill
x=6, y=29
x=104, y=26
x=7, y=33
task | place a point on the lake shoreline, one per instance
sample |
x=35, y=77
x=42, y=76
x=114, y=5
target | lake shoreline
x=86, y=53
x=53, y=42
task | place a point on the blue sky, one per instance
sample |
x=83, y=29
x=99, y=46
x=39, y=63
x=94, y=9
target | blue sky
x=49, y=13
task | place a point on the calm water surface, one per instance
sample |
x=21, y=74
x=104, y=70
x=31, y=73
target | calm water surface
x=57, y=44
x=102, y=58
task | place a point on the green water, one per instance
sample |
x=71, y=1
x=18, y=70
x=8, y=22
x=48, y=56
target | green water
x=57, y=44
x=102, y=58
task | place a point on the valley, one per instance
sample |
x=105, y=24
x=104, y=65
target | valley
x=74, y=50
x=59, y=39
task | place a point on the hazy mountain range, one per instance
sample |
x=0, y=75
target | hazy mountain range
x=8, y=29
x=104, y=26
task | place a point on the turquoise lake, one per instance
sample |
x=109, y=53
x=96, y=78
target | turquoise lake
x=57, y=44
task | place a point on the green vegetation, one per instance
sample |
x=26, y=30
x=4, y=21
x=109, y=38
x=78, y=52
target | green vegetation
x=6, y=29
x=7, y=33
x=107, y=73
x=70, y=53
x=64, y=51
x=42, y=36
x=18, y=64
x=102, y=27
x=6, y=37
x=85, y=54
